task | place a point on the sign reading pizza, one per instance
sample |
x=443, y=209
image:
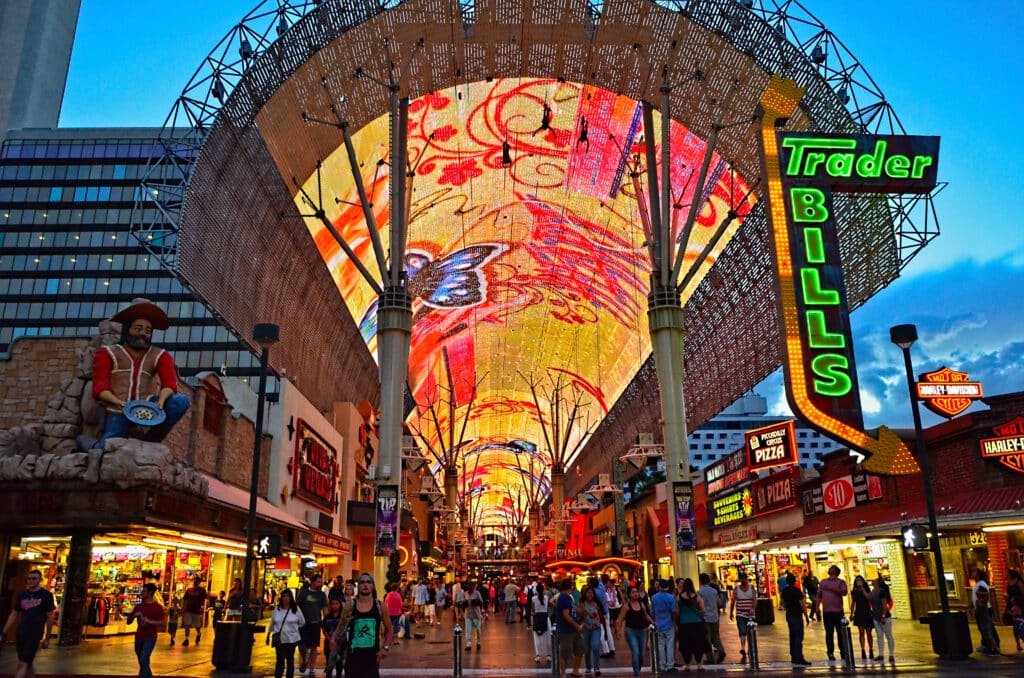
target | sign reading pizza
x=802, y=170
x=777, y=492
x=1008, y=446
x=947, y=392
x=315, y=468
x=771, y=446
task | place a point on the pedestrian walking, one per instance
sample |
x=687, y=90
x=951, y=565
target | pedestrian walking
x=440, y=600
x=149, y=617
x=1014, y=599
x=511, y=602
x=394, y=607
x=981, y=597
x=744, y=601
x=860, y=610
x=33, y=615
x=337, y=591
x=474, y=615
x=881, y=613
x=568, y=638
x=592, y=617
x=691, y=633
x=193, y=603
x=780, y=582
x=811, y=583
x=636, y=619
x=312, y=601
x=285, y=632
x=541, y=623
x=173, y=617
x=613, y=603
x=833, y=592
x=364, y=633
x=328, y=626
x=665, y=610
x=793, y=604
x=235, y=601
x=711, y=598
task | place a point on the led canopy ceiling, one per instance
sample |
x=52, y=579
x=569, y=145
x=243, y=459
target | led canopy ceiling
x=526, y=254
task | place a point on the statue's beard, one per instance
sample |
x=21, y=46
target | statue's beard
x=138, y=341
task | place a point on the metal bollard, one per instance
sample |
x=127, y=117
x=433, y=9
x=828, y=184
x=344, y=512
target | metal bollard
x=752, y=649
x=655, y=659
x=556, y=668
x=846, y=642
x=457, y=652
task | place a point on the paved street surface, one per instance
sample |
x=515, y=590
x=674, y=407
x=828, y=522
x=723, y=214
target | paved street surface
x=508, y=651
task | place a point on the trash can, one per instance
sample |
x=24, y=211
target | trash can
x=764, y=612
x=959, y=634
x=232, y=646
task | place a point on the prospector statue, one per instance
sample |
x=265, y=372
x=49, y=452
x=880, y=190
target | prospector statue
x=136, y=382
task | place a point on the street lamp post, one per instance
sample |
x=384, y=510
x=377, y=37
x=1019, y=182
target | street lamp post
x=904, y=336
x=266, y=335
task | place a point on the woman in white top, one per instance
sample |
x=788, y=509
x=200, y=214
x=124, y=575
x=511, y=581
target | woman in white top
x=286, y=621
x=541, y=624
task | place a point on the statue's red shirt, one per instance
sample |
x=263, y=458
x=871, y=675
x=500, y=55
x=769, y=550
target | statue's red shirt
x=103, y=365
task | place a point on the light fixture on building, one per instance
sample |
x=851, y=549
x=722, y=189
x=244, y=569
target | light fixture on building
x=1003, y=528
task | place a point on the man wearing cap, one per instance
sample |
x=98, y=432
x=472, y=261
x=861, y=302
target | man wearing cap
x=134, y=369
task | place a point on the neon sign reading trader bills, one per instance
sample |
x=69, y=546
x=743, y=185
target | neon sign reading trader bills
x=802, y=170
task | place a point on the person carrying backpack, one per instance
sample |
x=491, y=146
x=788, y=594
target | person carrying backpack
x=364, y=634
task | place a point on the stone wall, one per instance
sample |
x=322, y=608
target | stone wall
x=32, y=376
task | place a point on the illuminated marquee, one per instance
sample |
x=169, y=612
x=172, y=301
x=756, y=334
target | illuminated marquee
x=771, y=446
x=947, y=392
x=1008, y=446
x=802, y=170
x=315, y=468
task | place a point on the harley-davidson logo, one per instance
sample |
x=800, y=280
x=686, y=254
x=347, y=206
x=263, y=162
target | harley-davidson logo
x=1008, y=445
x=947, y=392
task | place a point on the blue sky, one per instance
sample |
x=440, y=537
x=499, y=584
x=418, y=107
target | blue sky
x=948, y=68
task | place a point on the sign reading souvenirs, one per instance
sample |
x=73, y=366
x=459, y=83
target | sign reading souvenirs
x=947, y=392
x=686, y=532
x=1008, y=445
x=315, y=468
x=802, y=169
x=728, y=471
x=777, y=492
x=771, y=446
x=730, y=507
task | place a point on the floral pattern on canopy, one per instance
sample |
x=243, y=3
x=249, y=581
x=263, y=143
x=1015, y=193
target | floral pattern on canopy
x=526, y=257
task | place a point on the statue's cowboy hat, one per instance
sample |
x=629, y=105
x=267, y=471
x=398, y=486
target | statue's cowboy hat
x=145, y=309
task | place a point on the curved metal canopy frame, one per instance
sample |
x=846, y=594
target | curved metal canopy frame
x=219, y=193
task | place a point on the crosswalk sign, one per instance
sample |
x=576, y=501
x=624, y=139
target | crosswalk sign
x=915, y=537
x=268, y=545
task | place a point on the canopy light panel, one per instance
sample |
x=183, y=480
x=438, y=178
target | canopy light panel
x=526, y=250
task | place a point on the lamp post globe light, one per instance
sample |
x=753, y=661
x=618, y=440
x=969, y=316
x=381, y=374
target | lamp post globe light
x=948, y=638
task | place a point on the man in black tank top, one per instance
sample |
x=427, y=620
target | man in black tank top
x=366, y=628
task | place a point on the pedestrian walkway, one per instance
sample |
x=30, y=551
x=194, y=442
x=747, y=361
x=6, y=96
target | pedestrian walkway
x=508, y=651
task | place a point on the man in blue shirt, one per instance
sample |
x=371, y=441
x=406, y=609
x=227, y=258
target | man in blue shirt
x=568, y=638
x=664, y=610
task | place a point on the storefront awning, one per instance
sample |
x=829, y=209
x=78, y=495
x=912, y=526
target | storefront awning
x=238, y=498
x=971, y=509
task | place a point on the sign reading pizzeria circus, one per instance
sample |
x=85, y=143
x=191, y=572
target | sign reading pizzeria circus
x=729, y=471
x=771, y=446
x=315, y=468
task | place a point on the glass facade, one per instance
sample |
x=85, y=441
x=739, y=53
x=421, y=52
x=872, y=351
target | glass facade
x=69, y=260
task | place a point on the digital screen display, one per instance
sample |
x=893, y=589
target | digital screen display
x=526, y=256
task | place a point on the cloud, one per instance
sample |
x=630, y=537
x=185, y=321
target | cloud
x=966, y=319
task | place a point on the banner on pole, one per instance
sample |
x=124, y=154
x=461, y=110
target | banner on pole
x=686, y=533
x=387, y=520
